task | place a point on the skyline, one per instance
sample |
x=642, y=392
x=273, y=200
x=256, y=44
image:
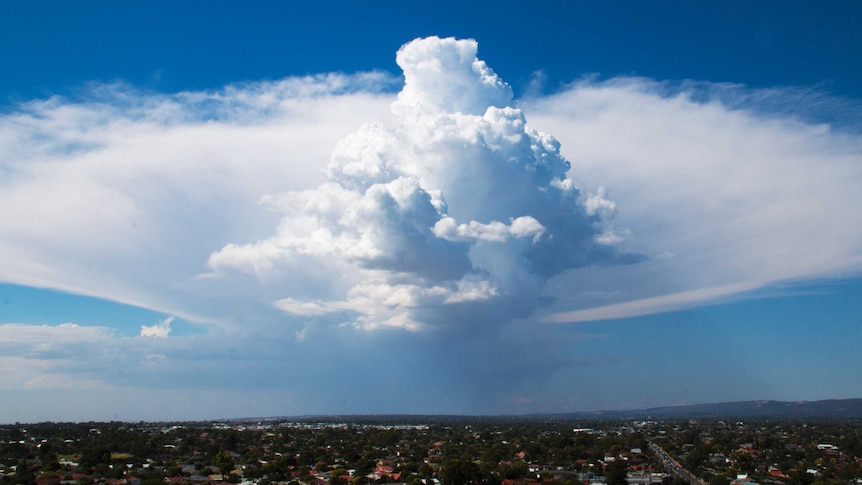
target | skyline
x=399, y=221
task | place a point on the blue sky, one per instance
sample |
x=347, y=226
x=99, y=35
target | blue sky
x=220, y=210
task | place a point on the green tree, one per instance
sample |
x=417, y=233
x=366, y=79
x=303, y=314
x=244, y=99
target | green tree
x=224, y=461
x=616, y=472
x=364, y=466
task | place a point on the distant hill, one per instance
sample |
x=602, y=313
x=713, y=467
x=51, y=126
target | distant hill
x=826, y=409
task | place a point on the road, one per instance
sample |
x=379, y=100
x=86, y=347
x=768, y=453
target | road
x=673, y=466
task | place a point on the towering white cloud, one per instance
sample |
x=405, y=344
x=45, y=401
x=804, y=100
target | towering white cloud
x=444, y=76
x=457, y=203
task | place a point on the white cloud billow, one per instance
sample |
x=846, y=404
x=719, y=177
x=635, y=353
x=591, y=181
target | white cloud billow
x=444, y=76
x=456, y=201
x=161, y=329
x=447, y=228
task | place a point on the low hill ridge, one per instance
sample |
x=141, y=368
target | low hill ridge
x=828, y=408
x=764, y=409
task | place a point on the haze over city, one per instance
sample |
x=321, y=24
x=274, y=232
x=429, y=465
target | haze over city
x=215, y=210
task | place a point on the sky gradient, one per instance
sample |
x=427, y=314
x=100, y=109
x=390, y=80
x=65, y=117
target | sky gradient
x=386, y=208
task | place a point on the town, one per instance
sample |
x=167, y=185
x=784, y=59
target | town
x=441, y=450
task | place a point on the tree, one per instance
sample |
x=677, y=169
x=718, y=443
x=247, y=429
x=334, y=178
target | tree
x=364, y=466
x=224, y=461
x=335, y=476
x=458, y=472
x=616, y=472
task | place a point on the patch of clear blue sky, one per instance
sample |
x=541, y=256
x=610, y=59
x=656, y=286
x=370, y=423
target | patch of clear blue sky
x=52, y=47
x=37, y=306
x=756, y=348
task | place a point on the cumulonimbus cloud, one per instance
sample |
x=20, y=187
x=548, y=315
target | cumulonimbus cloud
x=276, y=211
x=424, y=208
x=457, y=201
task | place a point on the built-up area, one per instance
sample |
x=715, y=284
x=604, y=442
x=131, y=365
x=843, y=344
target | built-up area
x=433, y=451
